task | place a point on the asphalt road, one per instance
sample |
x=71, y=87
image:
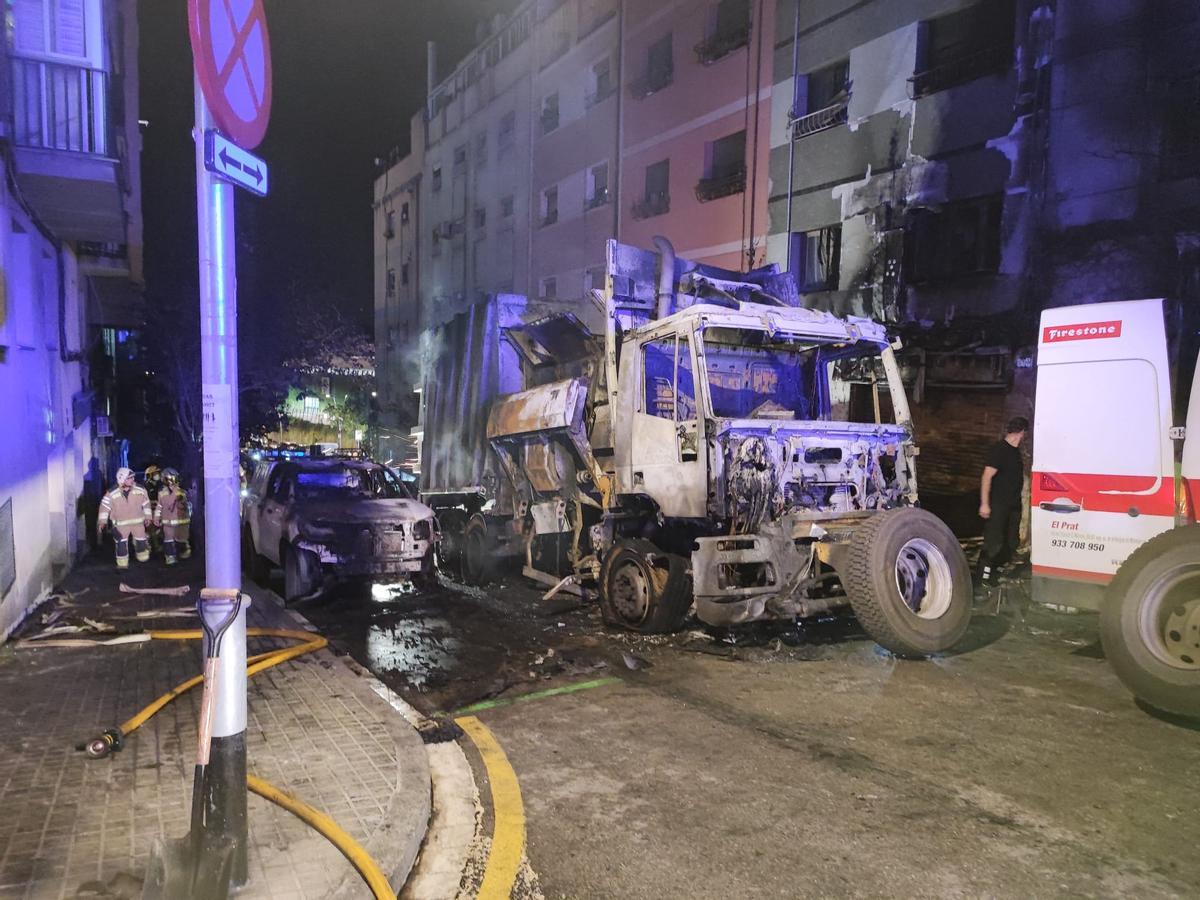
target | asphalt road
x=777, y=762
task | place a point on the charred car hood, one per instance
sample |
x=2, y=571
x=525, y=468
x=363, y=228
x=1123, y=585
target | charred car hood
x=364, y=512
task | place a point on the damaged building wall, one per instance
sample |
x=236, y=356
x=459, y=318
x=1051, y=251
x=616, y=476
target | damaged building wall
x=954, y=168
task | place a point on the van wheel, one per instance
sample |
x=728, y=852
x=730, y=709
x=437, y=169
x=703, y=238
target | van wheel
x=644, y=589
x=908, y=582
x=301, y=574
x=476, y=553
x=1150, y=622
x=257, y=566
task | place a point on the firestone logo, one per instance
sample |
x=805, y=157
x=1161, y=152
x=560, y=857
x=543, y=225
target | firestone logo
x=1086, y=331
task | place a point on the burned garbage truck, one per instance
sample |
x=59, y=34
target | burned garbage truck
x=717, y=448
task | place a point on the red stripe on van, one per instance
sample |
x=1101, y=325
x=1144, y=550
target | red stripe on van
x=1073, y=574
x=1087, y=491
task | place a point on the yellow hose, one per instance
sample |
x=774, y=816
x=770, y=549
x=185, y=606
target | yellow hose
x=350, y=848
x=328, y=828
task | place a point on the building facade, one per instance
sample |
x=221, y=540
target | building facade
x=70, y=253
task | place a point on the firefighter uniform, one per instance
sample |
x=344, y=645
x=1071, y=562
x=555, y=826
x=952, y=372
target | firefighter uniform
x=127, y=509
x=173, y=513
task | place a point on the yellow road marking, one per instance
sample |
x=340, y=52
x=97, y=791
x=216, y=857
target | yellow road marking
x=508, y=833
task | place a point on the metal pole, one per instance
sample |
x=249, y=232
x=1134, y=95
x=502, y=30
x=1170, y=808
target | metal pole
x=225, y=803
x=791, y=138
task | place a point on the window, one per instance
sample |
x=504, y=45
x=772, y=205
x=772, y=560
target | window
x=550, y=205
x=481, y=148
x=1181, y=131
x=404, y=212
x=670, y=387
x=508, y=128
x=965, y=45
x=961, y=239
x=506, y=206
x=818, y=257
x=550, y=113
x=602, y=83
x=548, y=288
x=725, y=168
x=391, y=282
x=404, y=273
x=660, y=67
x=389, y=225
x=460, y=158
x=480, y=217
x=437, y=178
x=597, y=186
x=828, y=87
x=730, y=30
x=62, y=28
x=593, y=279
x=656, y=199
x=436, y=244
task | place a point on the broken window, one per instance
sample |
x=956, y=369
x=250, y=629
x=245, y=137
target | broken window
x=960, y=239
x=817, y=256
x=754, y=376
x=669, y=381
x=965, y=45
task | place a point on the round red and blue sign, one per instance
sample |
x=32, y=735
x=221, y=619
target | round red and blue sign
x=232, y=56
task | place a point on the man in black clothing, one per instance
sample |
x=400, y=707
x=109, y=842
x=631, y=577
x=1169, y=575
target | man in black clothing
x=1000, y=499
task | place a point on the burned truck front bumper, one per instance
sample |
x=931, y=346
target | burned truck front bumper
x=767, y=575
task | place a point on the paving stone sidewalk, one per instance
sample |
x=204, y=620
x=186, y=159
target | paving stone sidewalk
x=75, y=827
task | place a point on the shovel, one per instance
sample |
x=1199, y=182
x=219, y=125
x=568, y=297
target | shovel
x=198, y=865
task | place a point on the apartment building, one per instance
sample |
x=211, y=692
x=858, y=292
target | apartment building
x=70, y=251
x=695, y=127
x=953, y=167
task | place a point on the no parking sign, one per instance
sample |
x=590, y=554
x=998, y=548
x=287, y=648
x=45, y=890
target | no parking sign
x=232, y=56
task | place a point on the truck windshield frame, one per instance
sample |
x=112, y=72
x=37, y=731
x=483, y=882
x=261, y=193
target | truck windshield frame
x=754, y=374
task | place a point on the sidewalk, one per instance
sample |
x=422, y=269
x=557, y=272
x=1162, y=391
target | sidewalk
x=76, y=827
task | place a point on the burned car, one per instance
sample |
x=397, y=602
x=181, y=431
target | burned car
x=330, y=520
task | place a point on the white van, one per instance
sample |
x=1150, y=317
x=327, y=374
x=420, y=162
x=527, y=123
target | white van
x=1104, y=487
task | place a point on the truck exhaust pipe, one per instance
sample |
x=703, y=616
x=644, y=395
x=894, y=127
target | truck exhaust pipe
x=666, y=276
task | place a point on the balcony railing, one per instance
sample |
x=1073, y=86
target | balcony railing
x=60, y=107
x=829, y=117
x=959, y=71
x=722, y=43
x=656, y=204
x=721, y=186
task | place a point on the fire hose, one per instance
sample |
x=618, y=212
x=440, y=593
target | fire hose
x=113, y=739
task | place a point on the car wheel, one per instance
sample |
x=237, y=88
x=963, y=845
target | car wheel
x=1150, y=622
x=644, y=589
x=257, y=566
x=908, y=582
x=478, y=565
x=427, y=578
x=301, y=574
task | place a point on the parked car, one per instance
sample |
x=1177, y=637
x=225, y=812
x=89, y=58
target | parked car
x=323, y=521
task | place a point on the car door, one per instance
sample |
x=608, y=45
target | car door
x=273, y=512
x=1103, y=462
x=666, y=457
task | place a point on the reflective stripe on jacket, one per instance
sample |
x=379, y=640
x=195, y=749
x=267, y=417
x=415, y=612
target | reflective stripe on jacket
x=125, y=509
x=173, y=508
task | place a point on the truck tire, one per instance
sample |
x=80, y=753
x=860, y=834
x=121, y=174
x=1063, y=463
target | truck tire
x=301, y=574
x=452, y=523
x=1150, y=622
x=908, y=582
x=476, y=552
x=257, y=566
x=644, y=589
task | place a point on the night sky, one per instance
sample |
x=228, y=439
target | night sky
x=348, y=76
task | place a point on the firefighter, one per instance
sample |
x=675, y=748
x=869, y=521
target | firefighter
x=127, y=509
x=173, y=514
x=152, y=481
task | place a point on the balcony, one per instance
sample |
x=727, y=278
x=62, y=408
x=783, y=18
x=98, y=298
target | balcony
x=719, y=186
x=64, y=149
x=722, y=43
x=988, y=61
x=829, y=117
x=656, y=204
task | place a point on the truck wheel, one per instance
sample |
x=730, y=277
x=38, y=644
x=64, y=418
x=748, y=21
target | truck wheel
x=644, y=589
x=452, y=523
x=301, y=571
x=257, y=566
x=478, y=566
x=908, y=582
x=1150, y=622
x=426, y=579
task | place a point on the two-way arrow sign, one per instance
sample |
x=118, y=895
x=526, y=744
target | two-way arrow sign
x=225, y=158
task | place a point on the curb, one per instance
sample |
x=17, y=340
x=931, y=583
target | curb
x=395, y=844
